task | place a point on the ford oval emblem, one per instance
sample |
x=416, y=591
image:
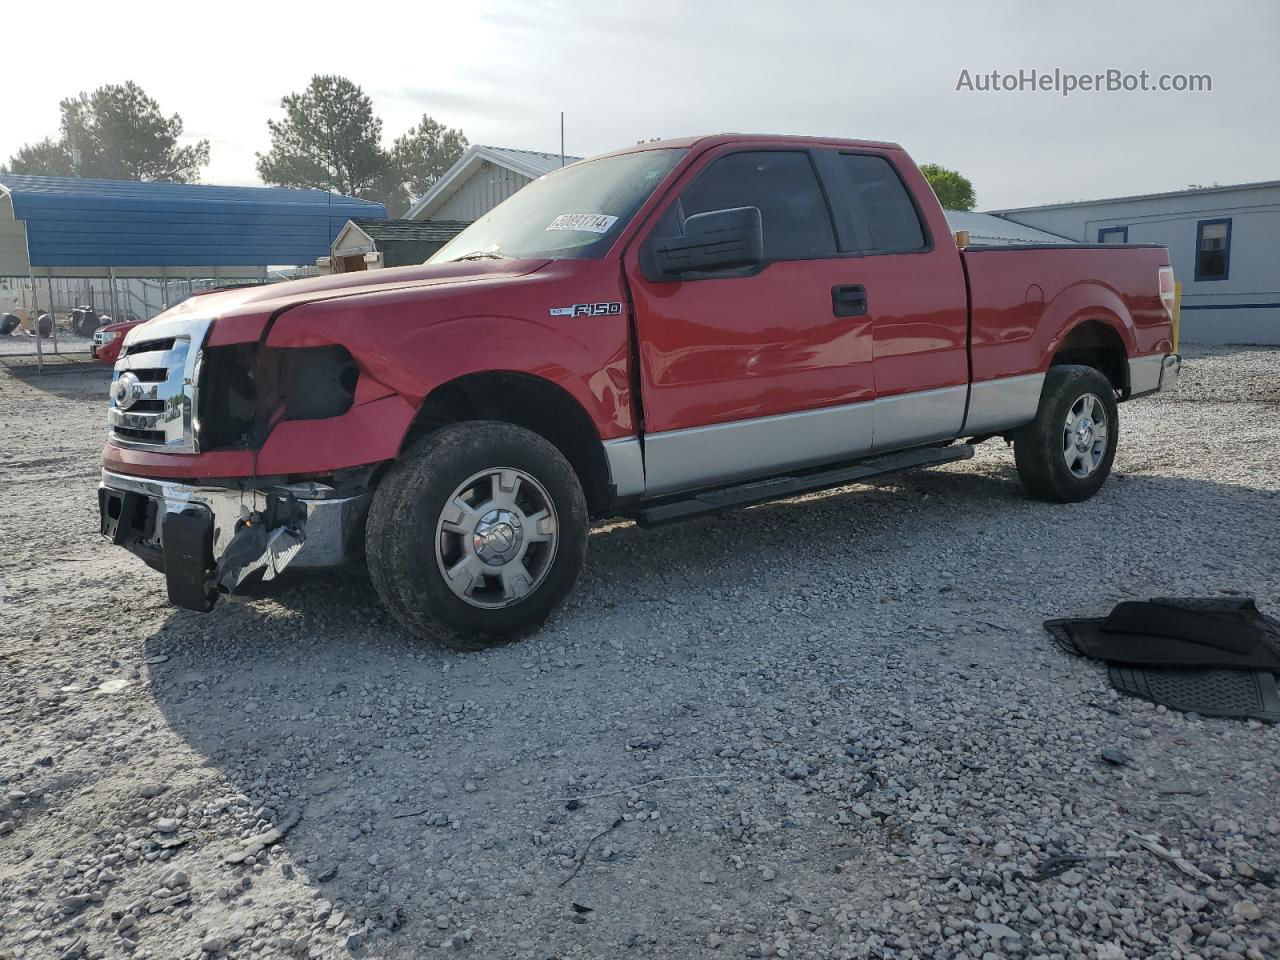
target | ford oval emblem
x=126, y=390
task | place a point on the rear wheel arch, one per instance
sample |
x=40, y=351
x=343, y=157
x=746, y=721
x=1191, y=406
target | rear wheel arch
x=527, y=401
x=1095, y=342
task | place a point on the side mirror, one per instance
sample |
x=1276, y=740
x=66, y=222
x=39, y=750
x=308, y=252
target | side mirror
x=715, y=240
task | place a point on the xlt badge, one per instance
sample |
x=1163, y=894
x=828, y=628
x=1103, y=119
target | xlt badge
x=588, y=310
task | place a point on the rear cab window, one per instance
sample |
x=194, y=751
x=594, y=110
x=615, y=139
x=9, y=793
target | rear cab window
x=874, y=208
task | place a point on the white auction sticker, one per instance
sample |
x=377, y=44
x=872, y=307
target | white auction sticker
x=589, y=222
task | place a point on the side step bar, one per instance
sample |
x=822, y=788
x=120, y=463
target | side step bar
x=759, y=491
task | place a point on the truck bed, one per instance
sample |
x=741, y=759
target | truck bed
x=1024, y=297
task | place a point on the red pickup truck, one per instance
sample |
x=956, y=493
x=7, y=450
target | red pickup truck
x=675, y=328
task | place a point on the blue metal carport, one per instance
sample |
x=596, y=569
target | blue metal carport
x=70, y=227
x=58, y=228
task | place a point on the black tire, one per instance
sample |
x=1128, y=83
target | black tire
x=1041, y=451
x=403, y=532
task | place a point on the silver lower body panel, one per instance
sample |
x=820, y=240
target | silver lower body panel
x=921, y=417
x=674, y=461
x=1003, y=404
x=677, y=460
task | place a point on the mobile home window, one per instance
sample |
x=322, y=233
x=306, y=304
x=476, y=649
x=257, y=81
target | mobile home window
x=1213, y=249
x=1113, y=235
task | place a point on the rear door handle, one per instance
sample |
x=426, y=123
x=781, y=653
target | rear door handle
x=849, y=300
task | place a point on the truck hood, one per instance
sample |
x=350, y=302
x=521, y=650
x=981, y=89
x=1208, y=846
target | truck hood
x=241, y=313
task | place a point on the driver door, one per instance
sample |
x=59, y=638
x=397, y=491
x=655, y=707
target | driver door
x=749, y=372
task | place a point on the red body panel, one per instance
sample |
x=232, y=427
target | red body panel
x=714, y=351
x=413, y=344
x=178, y=466
x=918, y=303
x=709, y=351
x=1026, y=301
x=108, y=353
x=734, y=349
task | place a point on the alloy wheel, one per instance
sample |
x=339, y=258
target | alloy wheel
x=1084, y=436
x=497, y=537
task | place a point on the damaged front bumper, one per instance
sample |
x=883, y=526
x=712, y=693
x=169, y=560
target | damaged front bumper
x=208, y=538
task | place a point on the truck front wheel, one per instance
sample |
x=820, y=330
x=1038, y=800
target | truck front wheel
x=477, y=534
x=1065, y=454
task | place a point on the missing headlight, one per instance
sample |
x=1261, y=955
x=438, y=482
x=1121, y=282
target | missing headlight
x=317, y=382
x=227, y=411
x=244, y=388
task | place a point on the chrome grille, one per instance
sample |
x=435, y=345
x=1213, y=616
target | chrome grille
x=153, y=389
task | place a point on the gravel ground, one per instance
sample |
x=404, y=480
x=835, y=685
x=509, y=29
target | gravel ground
x=828, y=727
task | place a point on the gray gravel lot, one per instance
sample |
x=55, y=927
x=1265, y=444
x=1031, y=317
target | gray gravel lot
x=828, y=727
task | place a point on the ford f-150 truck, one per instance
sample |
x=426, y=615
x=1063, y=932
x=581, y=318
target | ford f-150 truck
x=675, y=328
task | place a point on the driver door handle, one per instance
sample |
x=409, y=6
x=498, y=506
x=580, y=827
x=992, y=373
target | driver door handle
x=849, y=300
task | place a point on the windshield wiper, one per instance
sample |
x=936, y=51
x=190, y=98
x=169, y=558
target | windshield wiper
x=482, y=255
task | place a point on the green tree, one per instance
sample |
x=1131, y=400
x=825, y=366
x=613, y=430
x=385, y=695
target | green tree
x=48, y=157
x=954, y=190
x=121, y=134
x=329, y=139
x=425, y=153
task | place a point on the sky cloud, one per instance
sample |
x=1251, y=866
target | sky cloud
x=625, y=72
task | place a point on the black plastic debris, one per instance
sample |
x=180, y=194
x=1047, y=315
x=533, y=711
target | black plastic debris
x=1214, y=656
x=1214, y=632
x=1057, y=865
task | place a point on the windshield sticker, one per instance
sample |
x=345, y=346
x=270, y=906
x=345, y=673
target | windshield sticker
x=588, y=310
x=586, y=222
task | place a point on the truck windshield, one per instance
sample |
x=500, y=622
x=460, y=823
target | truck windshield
x=571, y=213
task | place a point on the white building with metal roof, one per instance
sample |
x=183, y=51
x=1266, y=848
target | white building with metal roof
x=480, y=180
x=1222, y=240
x=984, y=228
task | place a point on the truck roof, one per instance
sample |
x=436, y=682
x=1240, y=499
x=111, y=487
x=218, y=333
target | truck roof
x=717, y=139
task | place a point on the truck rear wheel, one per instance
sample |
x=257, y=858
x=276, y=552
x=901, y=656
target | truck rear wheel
x=1065, y=454
x=477, y=534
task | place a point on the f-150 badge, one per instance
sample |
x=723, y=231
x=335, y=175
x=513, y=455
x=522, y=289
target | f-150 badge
x=588, y=310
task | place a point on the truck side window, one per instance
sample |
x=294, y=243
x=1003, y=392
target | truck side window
x=890, y=215
x=782, y=183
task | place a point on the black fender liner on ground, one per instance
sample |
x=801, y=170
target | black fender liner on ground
x=1216, y=656
x=1192, y=632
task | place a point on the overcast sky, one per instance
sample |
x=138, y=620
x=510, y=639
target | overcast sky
x=502, y=71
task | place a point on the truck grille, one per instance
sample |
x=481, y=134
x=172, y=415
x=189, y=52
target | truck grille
x=151, y=346
x=153, y=389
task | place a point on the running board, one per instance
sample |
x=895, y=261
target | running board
x=759, y=491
